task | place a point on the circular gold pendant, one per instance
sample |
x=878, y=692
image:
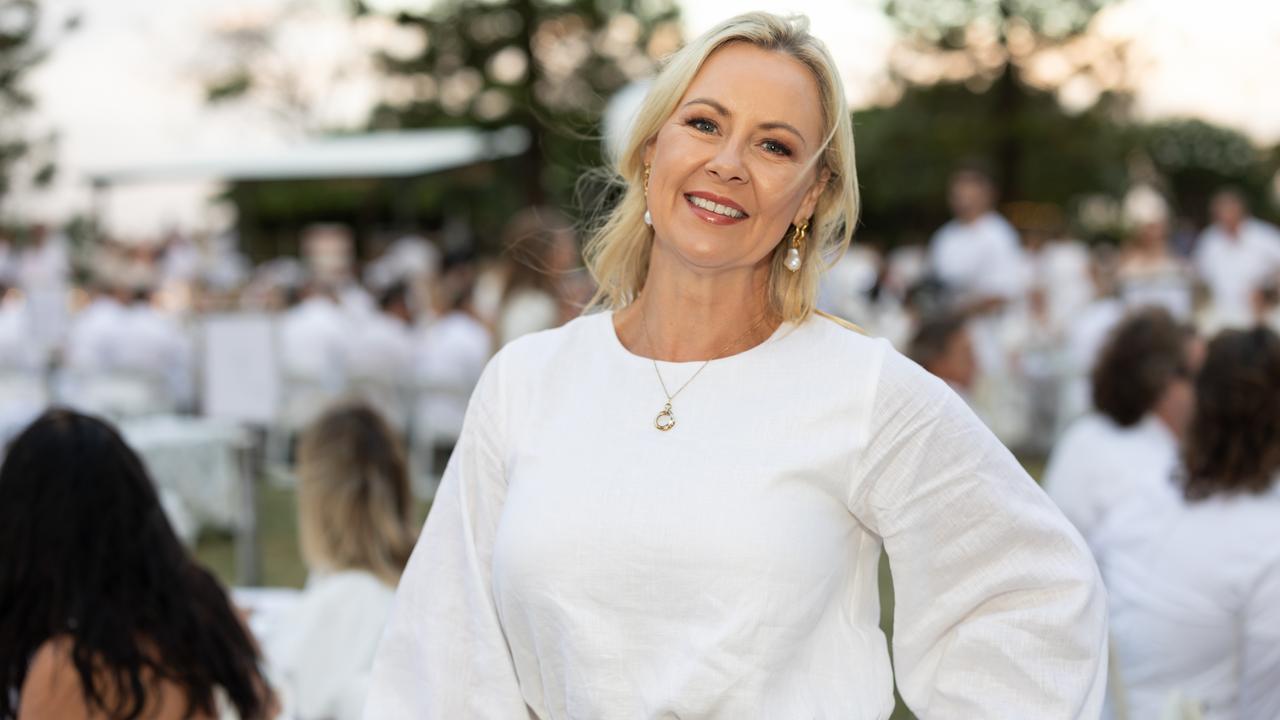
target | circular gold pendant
x=665, y=420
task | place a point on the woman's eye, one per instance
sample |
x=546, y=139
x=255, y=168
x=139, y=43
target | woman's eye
x=702, y=125
x=775, y=147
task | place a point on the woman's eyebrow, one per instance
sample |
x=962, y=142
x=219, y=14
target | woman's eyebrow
x=725, y=111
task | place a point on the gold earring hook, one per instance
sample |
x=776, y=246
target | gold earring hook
x=797, y=235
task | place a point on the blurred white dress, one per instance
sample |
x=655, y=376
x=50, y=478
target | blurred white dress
x=1194, y=592
x=320, y=652
x=1163, y=282
x=579, y=563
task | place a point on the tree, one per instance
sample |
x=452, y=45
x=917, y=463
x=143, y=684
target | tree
x=24, y=156
x=907, y=151
x=996, y=49
x=546, y=65
x=288, y=62
x=1196, y=159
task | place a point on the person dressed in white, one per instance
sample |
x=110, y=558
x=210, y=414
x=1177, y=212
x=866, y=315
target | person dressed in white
x=1148, y=273
x=379, y=355
x=153, y=343
x=89, y=345
x=1143, y=401
x=980, y=261
x=978, y=257
x=1236, y=257
x=44, y=269
x=1194, y=578
x=541, y=256
x=676, y=507
x=313, y=340
x=355, y=520
x=1085, y=334
x=450, y=354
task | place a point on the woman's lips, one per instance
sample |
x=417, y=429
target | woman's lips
x=710, y=216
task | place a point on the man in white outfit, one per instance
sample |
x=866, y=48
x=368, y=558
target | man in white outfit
x=1236, y=257
x=379, y=355
x=313, y=354
x=980, y=260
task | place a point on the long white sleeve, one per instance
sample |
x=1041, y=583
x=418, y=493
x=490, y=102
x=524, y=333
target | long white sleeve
x=1000, y=611
x=444, y=656
x=1260, y=635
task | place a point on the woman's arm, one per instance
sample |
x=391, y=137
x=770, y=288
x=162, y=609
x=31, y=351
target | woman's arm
x=443, y=655
x=999, y=609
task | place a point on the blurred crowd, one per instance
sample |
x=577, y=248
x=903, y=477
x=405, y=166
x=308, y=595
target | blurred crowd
x=118, y=329
x=1012, y=312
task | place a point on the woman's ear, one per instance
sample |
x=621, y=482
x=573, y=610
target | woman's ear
x=649, y=150
x=810, y=201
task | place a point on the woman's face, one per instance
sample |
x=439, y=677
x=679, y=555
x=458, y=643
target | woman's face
x=730, y=169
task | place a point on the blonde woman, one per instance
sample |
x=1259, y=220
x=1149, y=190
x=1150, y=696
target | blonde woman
x=675, y=508
x=355, y=521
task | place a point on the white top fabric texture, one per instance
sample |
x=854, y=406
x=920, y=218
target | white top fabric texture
x=1097, y=465
x=1195, y=603
x=579, y=563
x=1234, y=267
x=321, y=652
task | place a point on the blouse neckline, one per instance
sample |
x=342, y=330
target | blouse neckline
x=615, y=343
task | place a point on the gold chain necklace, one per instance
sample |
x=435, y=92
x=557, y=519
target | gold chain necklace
x=666, y=419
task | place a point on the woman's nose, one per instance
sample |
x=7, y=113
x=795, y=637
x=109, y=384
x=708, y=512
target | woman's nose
x=727, y=164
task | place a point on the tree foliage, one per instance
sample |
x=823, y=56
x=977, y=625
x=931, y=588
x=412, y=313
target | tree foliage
x=547, y=65
x=22, y=152
x=972, y=86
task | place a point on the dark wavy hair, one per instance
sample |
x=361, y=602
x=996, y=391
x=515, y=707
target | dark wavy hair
x=1234, y=442
x=86, y=554
x=1142, y=355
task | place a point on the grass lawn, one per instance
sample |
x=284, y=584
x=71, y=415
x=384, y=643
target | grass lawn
x=282, y=564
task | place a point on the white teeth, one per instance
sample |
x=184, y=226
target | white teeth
x=716, y=207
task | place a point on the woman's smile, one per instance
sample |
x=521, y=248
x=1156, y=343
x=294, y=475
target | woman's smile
x=715, y=209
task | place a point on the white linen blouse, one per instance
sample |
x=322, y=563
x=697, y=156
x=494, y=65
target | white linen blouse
x=579, y=563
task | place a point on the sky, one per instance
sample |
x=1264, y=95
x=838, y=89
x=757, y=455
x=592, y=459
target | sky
x=125, y=88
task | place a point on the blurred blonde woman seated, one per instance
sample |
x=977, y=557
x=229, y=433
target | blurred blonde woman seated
x=356, y=528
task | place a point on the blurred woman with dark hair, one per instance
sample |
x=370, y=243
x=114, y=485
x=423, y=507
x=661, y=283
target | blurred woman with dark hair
x=1143, y=401
x=1194, y=580
x=102, y=612
x=356, y=525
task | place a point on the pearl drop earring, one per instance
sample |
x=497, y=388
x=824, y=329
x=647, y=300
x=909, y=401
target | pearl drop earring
x=648, y=218
x=793, y=261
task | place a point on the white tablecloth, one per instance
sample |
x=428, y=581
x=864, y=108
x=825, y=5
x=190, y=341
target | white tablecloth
x=197, y=459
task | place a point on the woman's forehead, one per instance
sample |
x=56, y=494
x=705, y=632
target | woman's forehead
x=761, y=86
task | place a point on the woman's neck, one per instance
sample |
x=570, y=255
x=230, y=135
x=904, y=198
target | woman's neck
x=682, y=315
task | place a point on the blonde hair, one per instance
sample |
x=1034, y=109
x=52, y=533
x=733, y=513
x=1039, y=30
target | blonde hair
x=618, y=253
x=354, y=507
